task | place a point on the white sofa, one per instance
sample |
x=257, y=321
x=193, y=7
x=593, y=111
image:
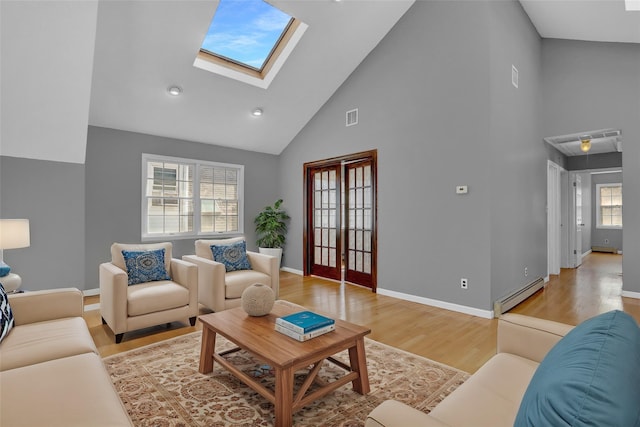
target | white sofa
x=50, y=371
x=544, y=374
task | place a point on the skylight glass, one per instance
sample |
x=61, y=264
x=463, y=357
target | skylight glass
x=246, y=31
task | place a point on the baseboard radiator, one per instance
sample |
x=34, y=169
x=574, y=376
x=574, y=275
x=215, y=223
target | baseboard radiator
x=508, y=302
x=604, y=249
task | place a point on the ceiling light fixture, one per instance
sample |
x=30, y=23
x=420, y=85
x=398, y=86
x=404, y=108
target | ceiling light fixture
x=257, y=112
x=585, y=143
x=174, y=90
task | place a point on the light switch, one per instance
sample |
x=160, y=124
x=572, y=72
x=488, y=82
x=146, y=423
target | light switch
x=462, y=189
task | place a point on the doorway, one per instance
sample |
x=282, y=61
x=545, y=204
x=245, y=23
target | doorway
x=340, y=229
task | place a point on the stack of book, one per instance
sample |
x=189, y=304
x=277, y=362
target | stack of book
x=304, y=325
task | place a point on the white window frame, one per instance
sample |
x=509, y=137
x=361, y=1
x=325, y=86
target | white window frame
x=196, y=233
x=599, y=208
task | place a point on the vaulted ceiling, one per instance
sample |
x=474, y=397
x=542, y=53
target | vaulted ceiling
x=66, y=65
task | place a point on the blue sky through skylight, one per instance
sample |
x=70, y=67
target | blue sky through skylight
x=245, y=31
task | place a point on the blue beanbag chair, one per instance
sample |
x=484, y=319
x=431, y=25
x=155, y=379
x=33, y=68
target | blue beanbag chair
x=591, y=377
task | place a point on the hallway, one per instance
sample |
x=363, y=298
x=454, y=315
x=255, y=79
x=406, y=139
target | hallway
x=578, y=294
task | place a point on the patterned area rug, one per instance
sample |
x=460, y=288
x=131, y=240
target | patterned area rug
x=160, y=386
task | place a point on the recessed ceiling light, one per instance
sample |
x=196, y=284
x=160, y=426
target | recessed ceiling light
x=257, y=112
x=175, y=90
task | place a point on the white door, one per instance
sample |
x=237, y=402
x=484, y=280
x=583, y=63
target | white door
x=553, y=218
x=579, y=221
x=576, y=222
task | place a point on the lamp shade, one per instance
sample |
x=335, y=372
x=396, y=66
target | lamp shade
x=14, y=233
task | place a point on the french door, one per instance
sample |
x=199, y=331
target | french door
x=340, y=221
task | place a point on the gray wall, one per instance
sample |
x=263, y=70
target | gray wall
x=588, y=86
x=599, y=235
x=594, y=161
x=518, y=163
x=51, y=196
x=430, y=104
x=113, y=188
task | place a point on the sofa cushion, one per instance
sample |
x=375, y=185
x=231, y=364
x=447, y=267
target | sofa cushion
x=237, y=281
x=6, y=315
x=42, y=341
x=69, y=392
x=491, y=396
x=590, y=377
x=150, y=297
x=233, y=256
x=203, y=246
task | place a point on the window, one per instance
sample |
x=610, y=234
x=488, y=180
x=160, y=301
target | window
x=190, y=198
x=249, y=41
x=246, y=32
x=609, y=207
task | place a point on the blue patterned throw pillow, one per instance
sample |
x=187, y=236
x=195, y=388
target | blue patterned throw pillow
x=145, y=266
x=234, y=256
x=6, y=315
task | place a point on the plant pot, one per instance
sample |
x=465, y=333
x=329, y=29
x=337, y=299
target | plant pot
x=276, y=252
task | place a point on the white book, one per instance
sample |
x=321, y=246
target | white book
x=304, y=337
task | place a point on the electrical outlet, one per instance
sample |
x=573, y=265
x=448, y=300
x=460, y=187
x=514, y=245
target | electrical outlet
x=464, y=283
x=526, y=272
x=606, y=241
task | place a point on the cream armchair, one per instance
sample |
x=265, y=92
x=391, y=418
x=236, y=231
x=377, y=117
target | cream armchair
x=220, y=290
x=125, y=307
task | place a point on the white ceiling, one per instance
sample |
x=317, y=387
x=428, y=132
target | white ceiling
x=588, y=20
x=144, y=47
x=109, y=62
x=602, y=141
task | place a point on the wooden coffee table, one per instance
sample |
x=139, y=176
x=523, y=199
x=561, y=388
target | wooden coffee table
x=285, y=355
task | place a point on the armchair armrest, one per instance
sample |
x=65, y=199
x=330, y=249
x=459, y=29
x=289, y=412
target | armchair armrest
x=211, y=282
x=39, y=306
x=268, y=265
x=113, y=296
x=186, y=274
x=528, y=337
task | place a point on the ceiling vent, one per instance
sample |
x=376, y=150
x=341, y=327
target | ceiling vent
x=352, y=117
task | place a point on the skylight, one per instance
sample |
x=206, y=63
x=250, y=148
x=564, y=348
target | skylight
x=246, y=32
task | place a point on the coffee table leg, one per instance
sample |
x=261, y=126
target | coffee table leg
x=207, y=348
x=358, y=360
x=284, y=397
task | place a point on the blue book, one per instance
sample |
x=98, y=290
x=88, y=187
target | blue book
x=304, y=321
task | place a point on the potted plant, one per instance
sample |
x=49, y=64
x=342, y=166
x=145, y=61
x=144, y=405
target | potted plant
x=271, y=228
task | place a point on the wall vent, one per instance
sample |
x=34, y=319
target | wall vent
x=514, y=76
x=508, y=302
x=352, y=117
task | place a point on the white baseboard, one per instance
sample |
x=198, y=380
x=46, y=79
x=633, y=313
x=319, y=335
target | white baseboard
x=292, y=270
x=91, y=292
x=487, y=314
x=91, y=307
x=630, y=294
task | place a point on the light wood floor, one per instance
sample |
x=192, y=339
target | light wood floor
x=463, y=341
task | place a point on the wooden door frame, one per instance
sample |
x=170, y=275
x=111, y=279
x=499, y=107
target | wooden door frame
x=307, y=167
